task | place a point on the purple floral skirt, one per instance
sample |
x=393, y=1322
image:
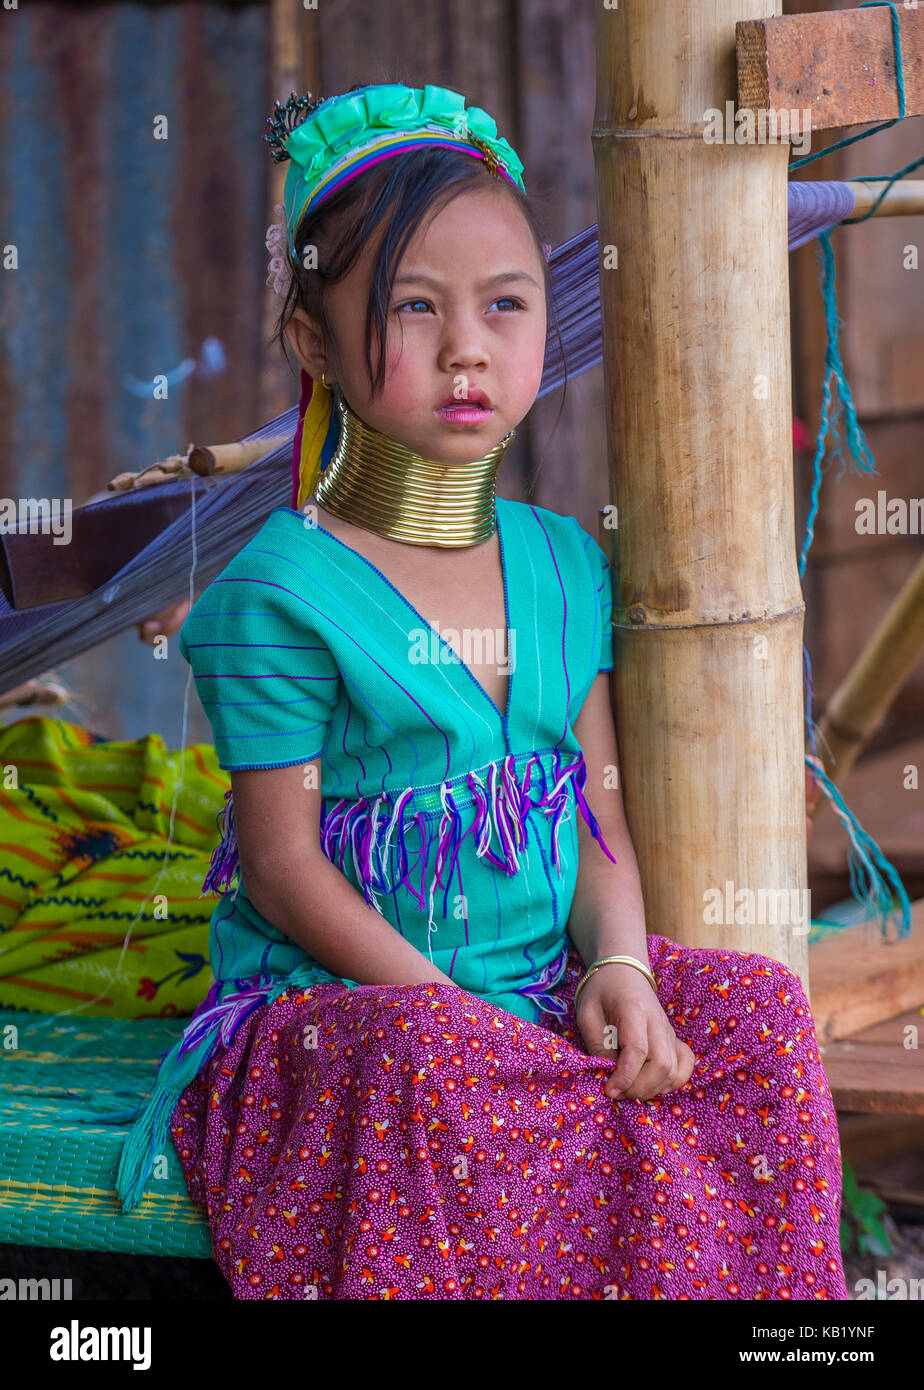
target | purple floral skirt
x=413, y=1142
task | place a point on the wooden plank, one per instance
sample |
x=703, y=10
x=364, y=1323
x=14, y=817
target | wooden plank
x=837, y=64
x=874, y=1144
x=874, y=1072
x=861, y=980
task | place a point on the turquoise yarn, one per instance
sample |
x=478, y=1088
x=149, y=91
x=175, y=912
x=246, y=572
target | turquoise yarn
x=868, y=866
x=834, y=368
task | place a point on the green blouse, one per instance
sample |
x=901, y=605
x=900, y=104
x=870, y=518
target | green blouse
x=455, y=819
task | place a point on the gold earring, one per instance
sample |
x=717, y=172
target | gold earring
x=323, y=382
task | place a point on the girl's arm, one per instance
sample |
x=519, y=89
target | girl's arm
x=295, y=886
x=617, y=1008
x=608, y=913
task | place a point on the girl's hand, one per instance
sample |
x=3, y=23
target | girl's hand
x=164, y=623
x=651, y=1059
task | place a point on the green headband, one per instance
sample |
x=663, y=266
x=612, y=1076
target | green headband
x=344, y=135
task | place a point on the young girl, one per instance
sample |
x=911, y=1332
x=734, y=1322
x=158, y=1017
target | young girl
x=441, y=1058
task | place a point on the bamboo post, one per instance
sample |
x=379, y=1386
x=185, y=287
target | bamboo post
x=708, y=610
x=858, y=706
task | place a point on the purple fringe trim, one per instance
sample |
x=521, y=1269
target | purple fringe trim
x=224, y=1018
x=501, y=809
x=225, y=862
x=541, y=989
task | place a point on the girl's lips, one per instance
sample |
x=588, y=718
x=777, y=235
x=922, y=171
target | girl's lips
x=464, y=414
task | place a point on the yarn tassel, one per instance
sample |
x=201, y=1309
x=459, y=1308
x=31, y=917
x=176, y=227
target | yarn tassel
x=519, y=797
x=501, y=809
x=486, y=820
x=457, y=819
x=397, y=816
x=224, y=1016
x=420, y=894
x=345, y=825
x=443, y=845
x=361, y=860
x=555, y=803
x=868, y=866
x=510, y=862
x=541, y=989
x=579, y=769
x=482, y=819
x=225, y=861
x=210, y=1025
x=330, y=824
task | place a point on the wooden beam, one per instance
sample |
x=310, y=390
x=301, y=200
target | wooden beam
x=837, y=64
x=873, y=1072
x=857, y=984
x=708, y=608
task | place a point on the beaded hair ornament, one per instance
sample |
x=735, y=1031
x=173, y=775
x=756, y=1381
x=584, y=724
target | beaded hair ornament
x=329, y=142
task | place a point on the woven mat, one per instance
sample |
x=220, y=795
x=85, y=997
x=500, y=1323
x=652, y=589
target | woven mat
x=68, y=1089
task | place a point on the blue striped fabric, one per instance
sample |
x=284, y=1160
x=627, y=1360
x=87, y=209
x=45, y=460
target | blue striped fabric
x=303, y=649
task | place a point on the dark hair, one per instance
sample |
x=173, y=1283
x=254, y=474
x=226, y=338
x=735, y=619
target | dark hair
x=403, y=190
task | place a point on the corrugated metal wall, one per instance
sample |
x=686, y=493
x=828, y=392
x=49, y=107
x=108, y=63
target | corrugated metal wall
x=133, y=252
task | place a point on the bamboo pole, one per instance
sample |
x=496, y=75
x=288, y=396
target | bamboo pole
x=708, y=608
x=904, y=198
x=859, y=705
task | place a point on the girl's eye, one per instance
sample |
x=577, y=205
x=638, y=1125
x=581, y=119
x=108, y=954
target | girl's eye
x=410, y=303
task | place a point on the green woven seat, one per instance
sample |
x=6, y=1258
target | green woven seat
x=68, y=1089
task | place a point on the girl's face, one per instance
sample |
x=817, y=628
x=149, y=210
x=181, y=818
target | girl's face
x=467, y=316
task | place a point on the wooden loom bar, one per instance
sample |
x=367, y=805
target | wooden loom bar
x=708, y=608
x=837, y=64
x=858, y=706
x=904, y=198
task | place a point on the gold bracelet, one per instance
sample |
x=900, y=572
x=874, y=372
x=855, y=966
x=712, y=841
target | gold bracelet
x=614, y=960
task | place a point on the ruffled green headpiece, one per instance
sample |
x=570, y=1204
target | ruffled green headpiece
x=343, y=135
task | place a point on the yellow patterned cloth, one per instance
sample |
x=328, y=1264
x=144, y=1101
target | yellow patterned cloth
x=87, y=859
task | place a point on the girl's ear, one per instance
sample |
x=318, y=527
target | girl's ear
x=304, y=336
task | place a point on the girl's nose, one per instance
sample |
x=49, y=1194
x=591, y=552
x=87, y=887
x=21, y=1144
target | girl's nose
x=462, y=350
